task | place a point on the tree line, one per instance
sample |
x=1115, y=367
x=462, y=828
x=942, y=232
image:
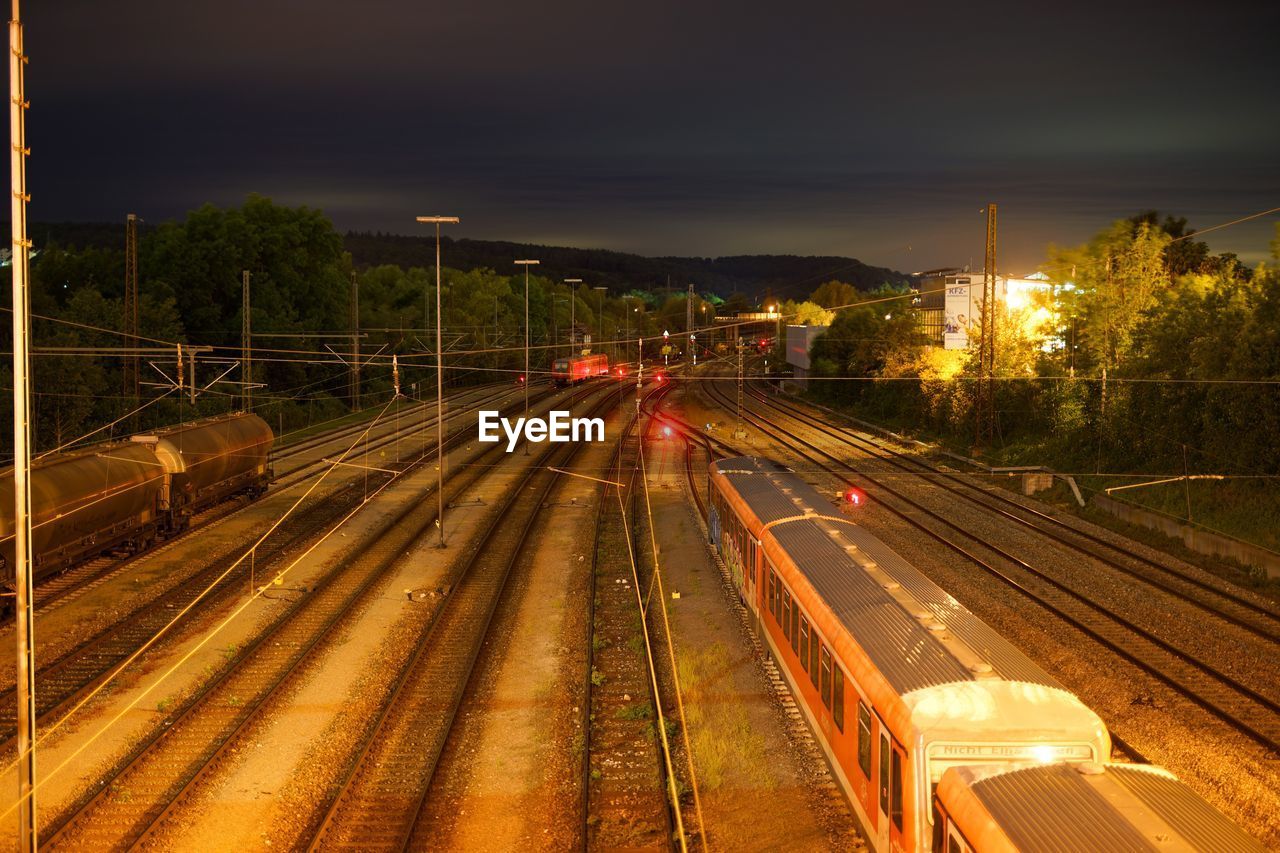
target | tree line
x=303, y=281
x=1146, y=347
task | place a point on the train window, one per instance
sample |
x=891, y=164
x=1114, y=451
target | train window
x=814, y=646
x=864, y=740
x=895, y=791
x=786, y=615
x=825, y=687
x=796, y=619
x=884, y=773
x=771, y=584
x=804, y=642
x=837, y=701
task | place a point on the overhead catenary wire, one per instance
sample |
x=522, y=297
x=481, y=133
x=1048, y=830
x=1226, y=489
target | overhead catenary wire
x=106, y=426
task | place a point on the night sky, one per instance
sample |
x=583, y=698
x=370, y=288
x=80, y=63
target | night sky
x=668, y=127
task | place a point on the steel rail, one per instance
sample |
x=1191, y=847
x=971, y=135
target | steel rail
x=479, y=585
x=970, y=492
x=202, y=710
x=1269, y=740
x=65, y=680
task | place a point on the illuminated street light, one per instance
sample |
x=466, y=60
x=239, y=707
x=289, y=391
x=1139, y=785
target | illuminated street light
x=438, y=221
x=526, y=264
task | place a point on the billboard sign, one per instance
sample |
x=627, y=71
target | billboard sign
x=957, y=314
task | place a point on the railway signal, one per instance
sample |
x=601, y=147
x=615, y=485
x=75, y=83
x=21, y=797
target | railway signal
x=854, y=497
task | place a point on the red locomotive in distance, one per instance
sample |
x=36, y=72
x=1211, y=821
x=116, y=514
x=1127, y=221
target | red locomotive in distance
x=578, y=368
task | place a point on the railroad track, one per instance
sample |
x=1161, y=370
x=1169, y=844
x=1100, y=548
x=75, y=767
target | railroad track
x=132, y=805
x=694, y=437
x=381, y=797
x=71, y=583
x=1240, y=706
x=395, y=433
x=66, y=680
x=1234, y=607
x=624, y=801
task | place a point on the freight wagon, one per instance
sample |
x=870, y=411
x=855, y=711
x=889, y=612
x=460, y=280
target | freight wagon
x=124, y=495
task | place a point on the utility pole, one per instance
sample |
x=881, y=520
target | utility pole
x=573, y=309
x=688, y=317
x=1106, y=340
x=131, y=366
x=246, y=342
x=984, y=404
x=526, y=264
x=739, y=432
x=600, y=338
x=1186, y=482
x=440, y=220
x=355, y=342
x=191, y=384
x=24, y=634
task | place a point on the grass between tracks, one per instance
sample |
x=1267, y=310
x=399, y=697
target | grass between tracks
x=724, y=745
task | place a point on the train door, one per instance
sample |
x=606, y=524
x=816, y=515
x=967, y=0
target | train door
x=882, y=789
x=749, y=571
x=897, y=795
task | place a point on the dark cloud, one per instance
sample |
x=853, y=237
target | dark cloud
x=664, y=127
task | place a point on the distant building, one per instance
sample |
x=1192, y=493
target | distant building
x=751, y=326
x=799, y=341
x=949, y=302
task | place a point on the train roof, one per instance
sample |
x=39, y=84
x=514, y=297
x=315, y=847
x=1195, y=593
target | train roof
x=1087, y=806
x=915, y=633
x=203, y=424
x=116, y=448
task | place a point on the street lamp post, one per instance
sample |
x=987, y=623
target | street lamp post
x=626, y=339
x=776, y=311
x=526, y=264
x=438, y=221
x=573, y=300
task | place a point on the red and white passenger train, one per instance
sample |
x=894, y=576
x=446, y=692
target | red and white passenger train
x=901, y=684
x=579, y=368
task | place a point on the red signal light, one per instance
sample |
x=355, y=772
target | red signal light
x=854, y=497
x=521, y=380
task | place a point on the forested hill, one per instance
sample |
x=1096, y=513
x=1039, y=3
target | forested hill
x=785, y=276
